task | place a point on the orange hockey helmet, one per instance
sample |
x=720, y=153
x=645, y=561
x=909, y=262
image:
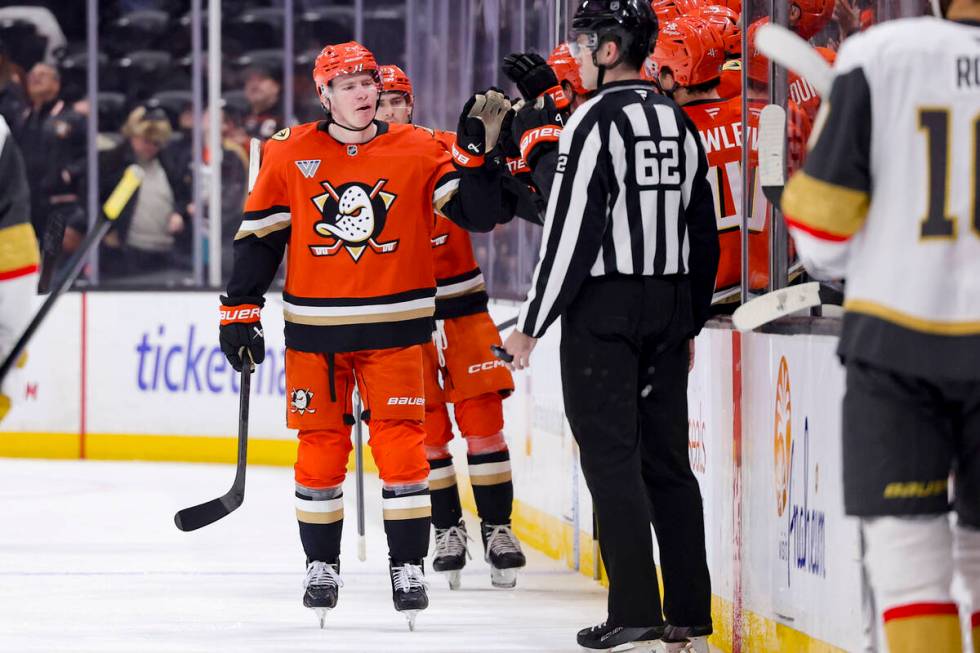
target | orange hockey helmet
x=814, y=16
x=725, y=22
x=566, y=68
x=757, y=64
x=343, y=59
x=734, y=5
x=668, y=10
x=691, y=49
x=394, y=80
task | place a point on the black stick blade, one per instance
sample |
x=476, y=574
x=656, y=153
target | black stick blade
x=195, y=517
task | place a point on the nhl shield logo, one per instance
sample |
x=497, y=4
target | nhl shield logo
x=352, y=150
x=353, y=217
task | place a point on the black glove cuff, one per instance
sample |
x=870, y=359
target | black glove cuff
x=238, y=301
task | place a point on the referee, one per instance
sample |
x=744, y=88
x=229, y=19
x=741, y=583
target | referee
x=628, y=261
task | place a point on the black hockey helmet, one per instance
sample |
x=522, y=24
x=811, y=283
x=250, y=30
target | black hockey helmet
x=631, y=23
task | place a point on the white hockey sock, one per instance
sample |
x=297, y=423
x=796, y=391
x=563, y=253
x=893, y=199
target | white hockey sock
x=910, y=564
x=966, y=553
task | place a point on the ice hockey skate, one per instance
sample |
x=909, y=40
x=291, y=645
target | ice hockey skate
x=408, y=589
x=503, y=552
x=606, y=637
x=692, y=645
x=451, y=552
x=686, y=639
x=322, y=585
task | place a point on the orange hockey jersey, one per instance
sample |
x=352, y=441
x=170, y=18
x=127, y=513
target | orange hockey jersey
x=358, y=220
x=460, y=287
x=731, y=79
x=802, y=93
x=719, y=122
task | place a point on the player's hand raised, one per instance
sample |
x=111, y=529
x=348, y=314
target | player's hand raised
x=480, y=122
x=530, y=73
x=536, y=124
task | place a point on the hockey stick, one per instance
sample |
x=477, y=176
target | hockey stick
x=499, y=351
x=506, y=324
x=792, y=52
x=783, y=302
x=359, y=474
x=254, y=153
x=772, y=145
x=112, y=208
x=193, y=518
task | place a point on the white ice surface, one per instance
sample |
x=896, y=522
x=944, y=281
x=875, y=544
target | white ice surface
x=90, y=560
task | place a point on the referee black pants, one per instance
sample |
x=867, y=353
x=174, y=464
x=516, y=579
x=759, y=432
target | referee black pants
x=624, y=361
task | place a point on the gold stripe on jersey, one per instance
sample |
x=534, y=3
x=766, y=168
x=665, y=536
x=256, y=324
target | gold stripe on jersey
x=375, y=318
x=443, y=193
x=18, y=247
x=934, y=327
x=824, y=206
x=264, y=226
x=481, y=287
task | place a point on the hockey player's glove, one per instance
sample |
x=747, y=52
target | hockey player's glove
x=537, y=127
x=508, y=141
x=240, y=327
x=534, y=77
x=479, y=127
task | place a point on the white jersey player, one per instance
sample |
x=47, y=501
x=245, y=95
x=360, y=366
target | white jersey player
x=19, y=256
x=888, y=199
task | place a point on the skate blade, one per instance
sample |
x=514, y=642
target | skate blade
x=410, y=616
x=503, y=578
x=321, y=614
x=645, y=646
x=454, y=578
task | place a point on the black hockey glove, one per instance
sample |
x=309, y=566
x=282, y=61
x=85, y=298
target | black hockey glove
x=241, y=328
x=508, y=142
x=537, y=127
x=534, y=77
x=479, y=127
x=530, y=73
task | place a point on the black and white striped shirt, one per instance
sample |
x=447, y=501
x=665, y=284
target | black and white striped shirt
x=629, y=197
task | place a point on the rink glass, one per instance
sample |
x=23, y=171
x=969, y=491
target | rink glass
x=449, y=48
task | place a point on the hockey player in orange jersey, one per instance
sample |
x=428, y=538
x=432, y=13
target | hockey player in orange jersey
x=689, y=57
x=473, y=381
x=566, y=70
x=354, y=199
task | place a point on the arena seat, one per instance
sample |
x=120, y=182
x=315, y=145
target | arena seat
x=143, y=72
x=112, y=111
x=256, y=29
x=317, y=27
x=173, y=102
x=138, y=30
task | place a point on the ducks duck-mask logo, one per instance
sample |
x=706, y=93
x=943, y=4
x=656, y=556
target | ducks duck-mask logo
x=353, y=217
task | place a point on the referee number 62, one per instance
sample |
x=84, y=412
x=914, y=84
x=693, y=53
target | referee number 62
x=657, y=163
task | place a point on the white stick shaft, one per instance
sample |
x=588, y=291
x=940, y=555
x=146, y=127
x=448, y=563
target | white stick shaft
x=254, y=153
x=790, y=51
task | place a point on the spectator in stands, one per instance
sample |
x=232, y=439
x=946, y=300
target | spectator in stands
x=52, y=137
x=49, y=41
x=145, y=236
x=263, y=90
x=13, y=100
